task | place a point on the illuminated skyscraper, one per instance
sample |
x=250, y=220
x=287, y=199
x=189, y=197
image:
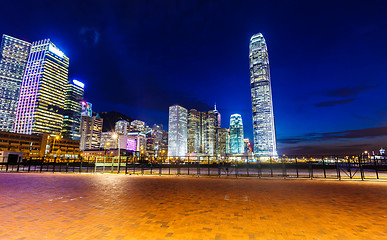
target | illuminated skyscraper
x=72, y=111
x=91, y=131
x=211, y=127
x=42, y=95
x=202, y=131
x=122, y=127
x=177, y=128
x=261, y=98
x=221, y=143
x=193, y=131
x=13, y=60
x=236, y=134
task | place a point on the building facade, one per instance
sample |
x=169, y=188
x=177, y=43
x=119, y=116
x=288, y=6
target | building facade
x=194, y=140
x=154, y=139
x=261, y=98
x=121, y=127
x=73, y=109
x=202, y=131
x=91, y=130
x=43, y=91
x=236, y=134
x=223, y=136
x=39, y=145
x=177, y=128
x=13, y=60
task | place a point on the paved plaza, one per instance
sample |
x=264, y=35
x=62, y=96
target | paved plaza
x=111, y=206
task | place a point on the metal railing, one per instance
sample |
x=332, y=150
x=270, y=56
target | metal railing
x=332, y=167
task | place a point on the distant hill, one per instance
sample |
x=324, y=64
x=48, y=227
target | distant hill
x=110, y=119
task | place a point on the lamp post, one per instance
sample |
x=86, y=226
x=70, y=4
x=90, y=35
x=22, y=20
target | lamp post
x=53, y=145
x=116, y=136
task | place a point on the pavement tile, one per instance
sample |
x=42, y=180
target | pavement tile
x=110, y=206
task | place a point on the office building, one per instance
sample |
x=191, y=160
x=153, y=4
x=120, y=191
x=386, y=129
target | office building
x=222, y=141
x=43, y=91
x=91, y=130
x=108, y=141
x=261, y=98
x=38, y=145
x=202, y=131
x=194, y=131
x=13, y=59
x=138, y=126
x=154, y=139
x=72, y=111
x=121, y=127
x=236, y=134
x=177, y=128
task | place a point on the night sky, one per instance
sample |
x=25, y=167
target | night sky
x=328, y=61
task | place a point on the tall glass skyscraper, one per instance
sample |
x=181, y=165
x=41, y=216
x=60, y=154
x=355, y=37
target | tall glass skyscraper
x=202, y=131
x=236, y=134
x=43, y=91
x=261, y=98
x=177, y=128
x=73, y=109
x=13, y=59
x=194, y=136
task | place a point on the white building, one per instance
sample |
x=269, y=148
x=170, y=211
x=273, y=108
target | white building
x=91, y=130
x=177, y=128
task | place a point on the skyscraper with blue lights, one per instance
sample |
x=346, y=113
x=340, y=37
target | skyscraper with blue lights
x=72, y=111
x=236, y=134
x=43, y=91
x=261, y=98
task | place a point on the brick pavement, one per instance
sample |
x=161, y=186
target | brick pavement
x=105, y=206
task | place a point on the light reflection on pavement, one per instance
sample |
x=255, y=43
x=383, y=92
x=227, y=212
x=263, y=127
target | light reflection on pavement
x=109, y=206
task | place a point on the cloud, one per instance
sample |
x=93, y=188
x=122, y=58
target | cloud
x=333, y=103
x=347, y=91
x=350, y=134
x=89, y=36
x=343, y=142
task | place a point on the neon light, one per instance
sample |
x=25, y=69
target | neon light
x=131, y=144
x=55, y=51
x=78, y=83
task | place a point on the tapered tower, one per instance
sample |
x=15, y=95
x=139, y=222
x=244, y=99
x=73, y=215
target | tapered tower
x=261, y=98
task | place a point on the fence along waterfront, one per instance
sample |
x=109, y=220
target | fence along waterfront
x=330, y=167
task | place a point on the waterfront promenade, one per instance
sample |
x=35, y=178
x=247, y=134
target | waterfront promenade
x=111, y=206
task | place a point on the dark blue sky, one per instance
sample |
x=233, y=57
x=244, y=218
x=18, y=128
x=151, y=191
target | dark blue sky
x=328, y=61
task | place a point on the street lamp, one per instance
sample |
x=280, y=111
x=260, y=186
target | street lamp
x=116, y=136
x=55, y=138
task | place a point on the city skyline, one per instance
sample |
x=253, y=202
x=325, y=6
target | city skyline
x=324, y=100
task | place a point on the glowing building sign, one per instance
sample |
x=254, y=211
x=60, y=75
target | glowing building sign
x=55, y=51
x=131, y=144
x=86, y=109
x=78, y=83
